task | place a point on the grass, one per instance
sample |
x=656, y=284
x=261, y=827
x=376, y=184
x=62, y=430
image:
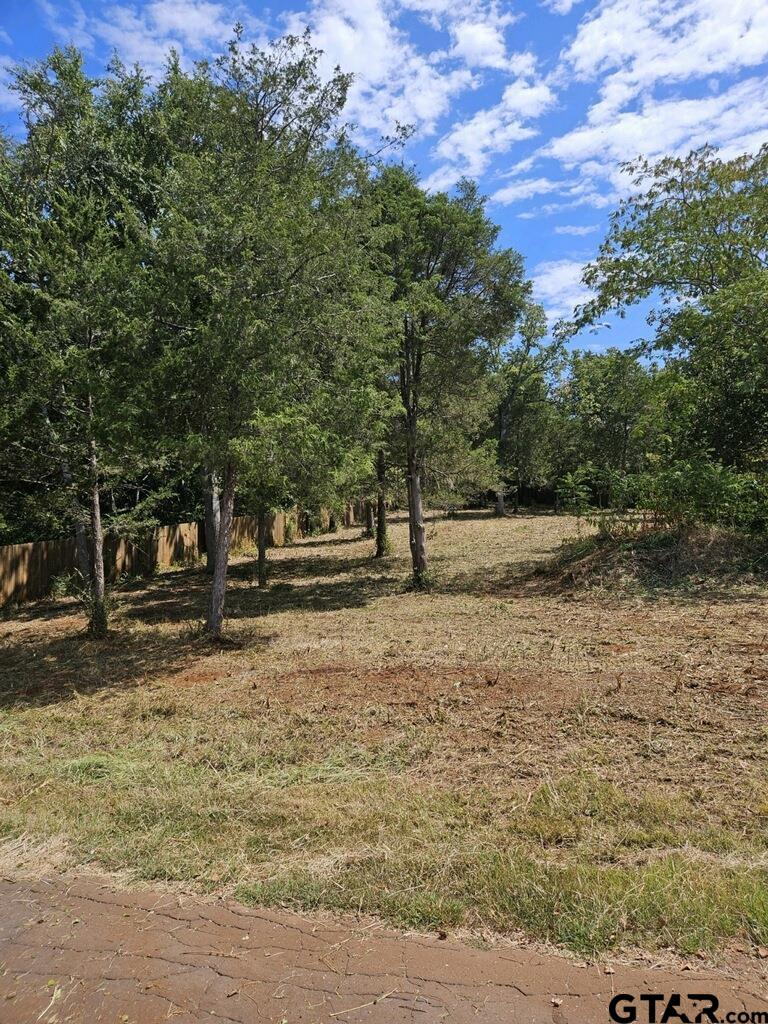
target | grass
x=651, y=561
x=589, y=770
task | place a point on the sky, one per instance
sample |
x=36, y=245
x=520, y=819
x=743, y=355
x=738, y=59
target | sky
x=540, y=100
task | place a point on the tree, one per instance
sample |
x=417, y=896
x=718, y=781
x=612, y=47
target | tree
x=75, y=195
x=522, y=421
x=692, y=238
x=607, y=400
x=456, y=296
x=255, y=262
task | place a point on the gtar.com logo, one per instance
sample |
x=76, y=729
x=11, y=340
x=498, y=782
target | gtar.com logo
x=685, y=1008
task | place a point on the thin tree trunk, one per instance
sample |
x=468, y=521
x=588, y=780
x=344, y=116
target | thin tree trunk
x=416, y=519
x=223, y=542
x=262, y=546
x=409, y=499
x=98, y=617
x=382, y=541
x=370, y=524
x=411, y=353
x=212, y=500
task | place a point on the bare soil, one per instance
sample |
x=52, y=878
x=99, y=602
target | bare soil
x=83, y=951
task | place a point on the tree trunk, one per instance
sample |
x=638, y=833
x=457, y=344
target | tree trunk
x=98, y=612
x=500, y=509
x=382, y=541
x=262, y=545
x=223, y=541
x=416, y=520
x=212, y=501
x=370, y=525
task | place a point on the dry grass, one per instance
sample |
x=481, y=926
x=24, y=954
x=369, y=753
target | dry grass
x=696, y=562
x=585, y=768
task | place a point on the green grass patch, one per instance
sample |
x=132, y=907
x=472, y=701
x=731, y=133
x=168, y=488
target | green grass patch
x=288, y=811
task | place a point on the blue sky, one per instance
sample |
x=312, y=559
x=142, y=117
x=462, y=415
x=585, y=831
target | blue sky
x=540, y=100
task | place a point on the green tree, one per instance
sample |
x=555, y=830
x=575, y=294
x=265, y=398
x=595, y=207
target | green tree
x=256, y=270
x=75, y=195
x=607, y=402
x=523, y=423
x=691, y=238
x=456, y=297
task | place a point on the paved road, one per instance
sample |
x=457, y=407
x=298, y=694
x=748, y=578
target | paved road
x=82, y=951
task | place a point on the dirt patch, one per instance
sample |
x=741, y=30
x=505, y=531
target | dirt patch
x=80, y=950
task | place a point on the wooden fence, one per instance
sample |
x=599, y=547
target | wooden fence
x=27, y=571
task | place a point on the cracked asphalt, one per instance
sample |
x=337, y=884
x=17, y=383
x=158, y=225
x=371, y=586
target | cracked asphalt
x=80, y=950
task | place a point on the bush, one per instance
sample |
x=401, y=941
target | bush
x=687, y=494
x=574, y=492
x=678, y=496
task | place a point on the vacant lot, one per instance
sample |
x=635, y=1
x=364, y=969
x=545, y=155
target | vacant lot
x=500, y=754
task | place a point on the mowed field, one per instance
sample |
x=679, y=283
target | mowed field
x=500, y=756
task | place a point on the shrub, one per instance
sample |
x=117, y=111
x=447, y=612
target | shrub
x=690, y=493
x=574, y=492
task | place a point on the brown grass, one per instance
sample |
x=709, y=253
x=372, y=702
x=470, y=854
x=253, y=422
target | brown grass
x=586, y=768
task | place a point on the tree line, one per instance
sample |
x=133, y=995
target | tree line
x=211, y=299
x=678, y=422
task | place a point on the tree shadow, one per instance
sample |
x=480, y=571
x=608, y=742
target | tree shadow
x=296, y=582
x=332, y=541
x=468, y=515
x=649, y=567
x=42, y=669
x=49, y=660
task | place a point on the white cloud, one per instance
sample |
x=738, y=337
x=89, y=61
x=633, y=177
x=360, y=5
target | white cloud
x=528, y=99
x=68, y=23
x=145, y=33
x=730, y=119
x=576, y=229
x=581, y=191
x=526, y=188
x=5, y=39
x=634, y=45
x=198, y=24
x=557, y=285
x=637, y=51
x=468, y=147
x=561, y=6
x=479, y=44
x=8, y=100
x=478, y=32
x=393, y=80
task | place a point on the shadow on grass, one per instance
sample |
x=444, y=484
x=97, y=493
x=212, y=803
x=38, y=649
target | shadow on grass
x=297, y=582
x=701, y=565
x=48, y=664
x=45, y=669
x=331, y=541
